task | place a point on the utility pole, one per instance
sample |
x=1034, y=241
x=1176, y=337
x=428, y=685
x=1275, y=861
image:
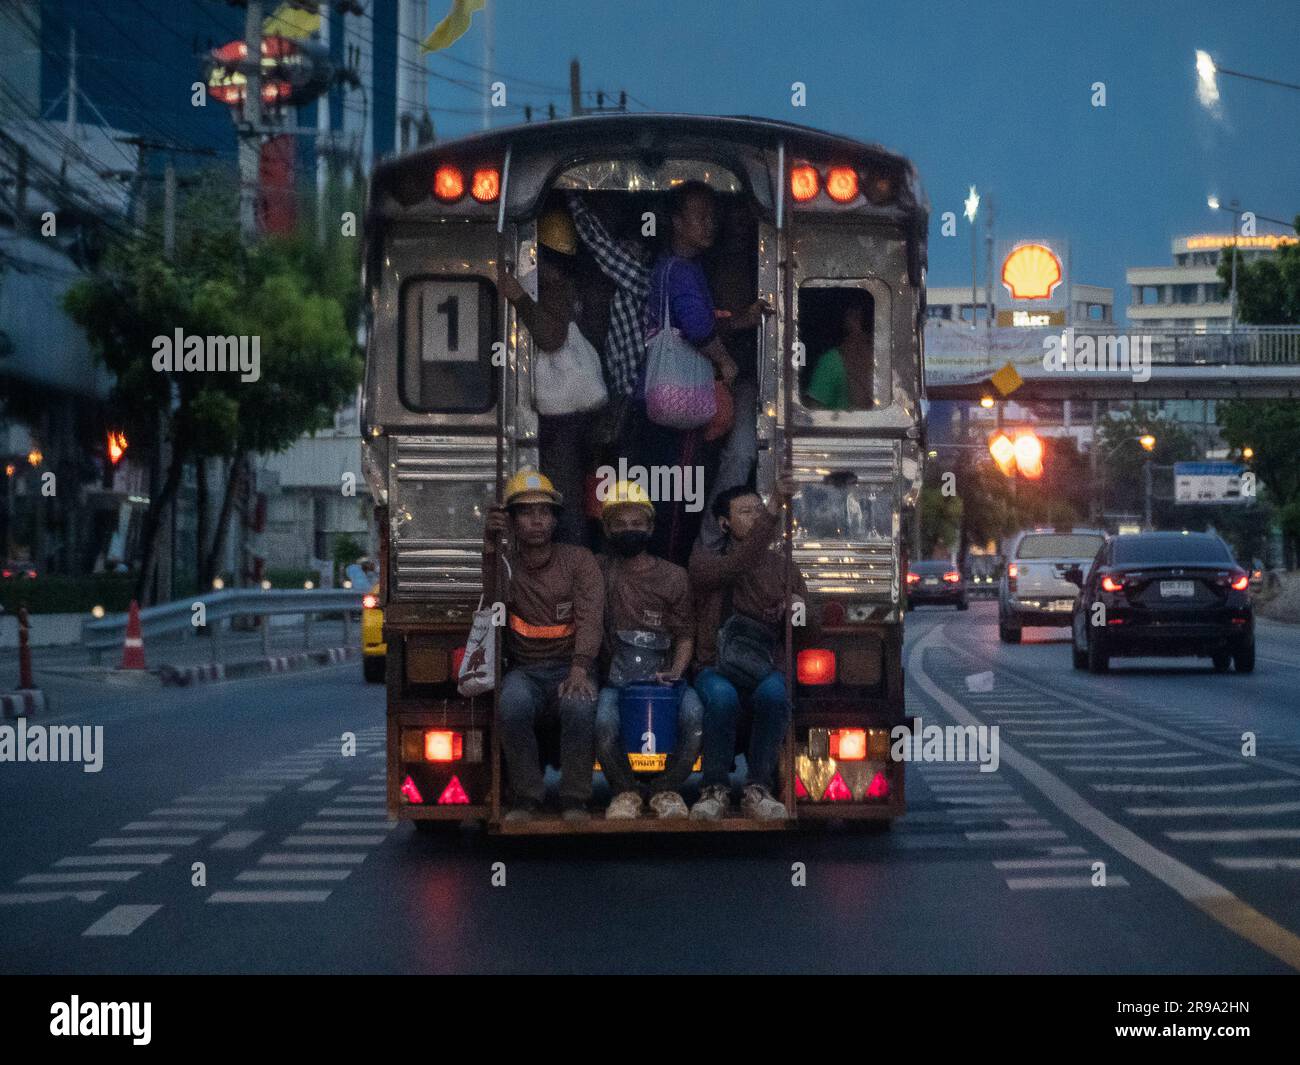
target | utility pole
x=1146, y=495
x=72, y=84
x=250, y=133
x=575, y=87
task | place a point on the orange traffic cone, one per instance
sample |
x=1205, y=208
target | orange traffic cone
x=133, y=645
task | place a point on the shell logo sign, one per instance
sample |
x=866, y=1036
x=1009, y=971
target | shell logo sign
x=1031, y=272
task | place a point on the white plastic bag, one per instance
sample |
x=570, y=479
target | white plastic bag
x=569, y=380
x=478, y=669
x=679, y=391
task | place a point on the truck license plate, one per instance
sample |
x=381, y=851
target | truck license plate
x=1176, y=589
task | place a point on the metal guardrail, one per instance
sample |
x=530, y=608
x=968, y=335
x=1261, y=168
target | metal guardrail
x=106, y=634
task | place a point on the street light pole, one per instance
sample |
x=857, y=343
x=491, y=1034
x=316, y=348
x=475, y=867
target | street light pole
x=1232, y=299
x=1146, y=495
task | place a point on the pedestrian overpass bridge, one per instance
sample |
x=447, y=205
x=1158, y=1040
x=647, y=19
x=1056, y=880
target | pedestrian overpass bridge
x=1252, y=362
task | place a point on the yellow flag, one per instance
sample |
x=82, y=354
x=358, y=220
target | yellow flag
x=292, y=22
x=450, y=29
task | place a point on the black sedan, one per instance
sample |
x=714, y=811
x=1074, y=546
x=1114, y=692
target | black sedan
x=939, y=583
x=1167, y=594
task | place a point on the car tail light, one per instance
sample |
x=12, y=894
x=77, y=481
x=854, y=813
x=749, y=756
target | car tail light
x=369, y=602
x=1112, y=584
x=1239, y=580
x=6, y=573
x=913, y=578
x=448, y=184
x=804, y=183
x=410, y=792
x=486, y=185
x=816, y=666
x=837, y=790
x=841, y=183
x=31, y=574
x=849, y=744
x=453, y=794
x=441, y=745
x=1013, y=572
x=952, y=576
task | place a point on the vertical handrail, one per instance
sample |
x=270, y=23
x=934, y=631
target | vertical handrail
x=785, y=256
x=497, y=596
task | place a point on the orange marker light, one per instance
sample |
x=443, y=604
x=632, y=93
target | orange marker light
x=442, y=746
x=486, y=186
x=1003, y=452
x=816, y=666
x=841, y=183
x=369, y=602
x=849, y=744
x=803, y=183
x=448, y=184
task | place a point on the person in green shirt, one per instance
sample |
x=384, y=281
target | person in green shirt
x=842, y=378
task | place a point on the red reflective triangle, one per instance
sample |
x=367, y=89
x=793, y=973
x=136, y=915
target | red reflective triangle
x=453, y=794
x=837, y=790
x=410, y=792
x=878, y=788
x=800, y=792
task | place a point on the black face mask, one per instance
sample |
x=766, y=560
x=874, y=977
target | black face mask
x=629, y=544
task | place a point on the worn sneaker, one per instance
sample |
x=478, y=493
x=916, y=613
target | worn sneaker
x=525, y=811
x=712, y=804
x=757, y=802
x=625, y=806
x=575, y=813
x=668, y=805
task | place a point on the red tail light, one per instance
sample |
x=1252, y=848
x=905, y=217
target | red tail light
x=837, y=790
x=841, y=183
x=1112, y=584
x=804, y=183
x=410, y=792
x=913, y=578
x=369, y=602
x=448, y=184
x=453, y=794
x=1013, y=571
x=849, y=744
x=952, y=576
x=486, y=185
x=1239, y=580
x=441, y=745
x=816, y=666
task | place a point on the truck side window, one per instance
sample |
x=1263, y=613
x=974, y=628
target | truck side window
x=837, y=329
x=445, y=356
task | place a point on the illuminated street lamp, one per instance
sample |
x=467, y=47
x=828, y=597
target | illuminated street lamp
x=986, y=402
x=1147, y=441
x=1235, y=209
x=1247, y=453
x=35, y=457
x=972, y=206
x=1207, y=71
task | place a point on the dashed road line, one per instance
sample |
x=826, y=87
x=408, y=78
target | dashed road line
x=122, y=920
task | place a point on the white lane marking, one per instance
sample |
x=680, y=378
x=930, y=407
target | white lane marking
x=20, y=898
x=1256, y=810
x=371, y=788
x=236, y=841
x=1212, y=768
x=334, y=811
x=1058, y=732
x=1045, y=863
x=319, y=785
x=1052, y=883
x=238, y=791
x=122, y=920
x=293, y=874
x=1095, y=746
x=1105, y=756
x=163, y=826
x=1195, y=789
x=268, y=896
x=1266, y=865
x=331, y=841
x=336, y=858
x=111, y=875
x=1013, y=835
x=1052, y=721
x=1233, y=835
x=147, y=841
x=209, y=811
x=1027, y=822
x=217, y=800
x=326, y=826
x=111, y=859
x=354, y=798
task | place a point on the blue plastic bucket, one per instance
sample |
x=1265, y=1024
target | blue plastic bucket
x=648, y=715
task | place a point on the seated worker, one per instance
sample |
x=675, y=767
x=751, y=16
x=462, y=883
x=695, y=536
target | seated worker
x=740, y=611
x=842, y=379
x=649, y=638
x=555, y=608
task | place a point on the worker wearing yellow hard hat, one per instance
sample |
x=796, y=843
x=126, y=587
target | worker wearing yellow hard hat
x=555, y=230
x=531, y=486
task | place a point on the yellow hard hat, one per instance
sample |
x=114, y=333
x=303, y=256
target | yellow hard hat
x=626, y=494
x=555, y=230
x=531, y=486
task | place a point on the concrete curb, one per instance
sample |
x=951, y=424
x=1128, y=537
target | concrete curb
x=204, y=674
x=23, y=703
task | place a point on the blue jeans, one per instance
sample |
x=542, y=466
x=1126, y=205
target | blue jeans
x=529, y=697
x=613, y=759
x=723, y=710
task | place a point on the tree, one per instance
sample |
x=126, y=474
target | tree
x=1268, y=293
x=1121, y=458
x=284, y=291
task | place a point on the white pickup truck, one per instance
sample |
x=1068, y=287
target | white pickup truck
x=1034, y=590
